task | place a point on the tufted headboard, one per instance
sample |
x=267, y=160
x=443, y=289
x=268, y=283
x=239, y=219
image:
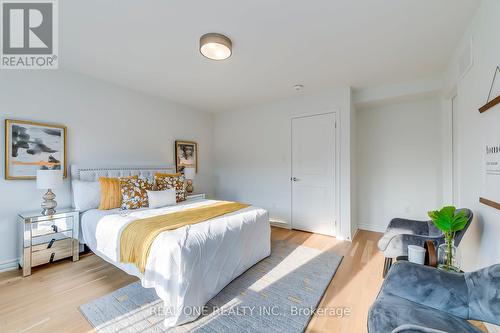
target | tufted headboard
x=93, y=173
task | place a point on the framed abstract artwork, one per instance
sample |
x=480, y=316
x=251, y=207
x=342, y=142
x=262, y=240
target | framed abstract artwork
x=186, y=155
x=31, y=146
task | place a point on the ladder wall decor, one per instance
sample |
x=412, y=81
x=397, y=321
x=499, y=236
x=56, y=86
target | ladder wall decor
x=491, y=103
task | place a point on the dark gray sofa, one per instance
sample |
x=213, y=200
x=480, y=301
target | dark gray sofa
x=416, y=298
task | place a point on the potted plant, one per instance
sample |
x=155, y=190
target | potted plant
x=449, y=222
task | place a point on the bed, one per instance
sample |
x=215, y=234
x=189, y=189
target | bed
x=187, y=266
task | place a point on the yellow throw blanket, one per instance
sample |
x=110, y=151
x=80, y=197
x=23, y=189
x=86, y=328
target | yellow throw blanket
x=138, y=236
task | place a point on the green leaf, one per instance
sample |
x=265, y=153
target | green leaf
x=445, y=220
x=459, y=221
x=448, y=212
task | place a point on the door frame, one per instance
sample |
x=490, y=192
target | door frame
x=336, y=147
x=455, y=153
x=451, y=150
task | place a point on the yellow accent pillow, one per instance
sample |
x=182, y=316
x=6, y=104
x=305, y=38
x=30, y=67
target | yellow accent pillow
x=165, y=181
x=111, y=195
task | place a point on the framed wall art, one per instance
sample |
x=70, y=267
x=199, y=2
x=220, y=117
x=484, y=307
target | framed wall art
x=30, y=146
x=186, y=155
x=491, y=150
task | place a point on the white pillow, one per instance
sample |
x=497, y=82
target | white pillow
x=86, y=195
x=158, y=199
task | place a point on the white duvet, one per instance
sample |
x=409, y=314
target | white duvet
x=190, y=265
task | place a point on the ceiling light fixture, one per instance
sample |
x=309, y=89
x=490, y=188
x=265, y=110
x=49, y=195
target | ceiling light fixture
x=215, y=46
x=298, y=87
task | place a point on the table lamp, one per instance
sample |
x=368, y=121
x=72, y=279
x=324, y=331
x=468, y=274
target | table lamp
x=189, y=175
x=48, y=180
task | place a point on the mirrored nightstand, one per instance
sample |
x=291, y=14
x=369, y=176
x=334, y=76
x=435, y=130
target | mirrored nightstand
x=45, y=239
x=195, y=196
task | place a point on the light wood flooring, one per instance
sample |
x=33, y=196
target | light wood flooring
x=48, y=300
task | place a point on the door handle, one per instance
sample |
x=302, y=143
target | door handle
x=294, y=179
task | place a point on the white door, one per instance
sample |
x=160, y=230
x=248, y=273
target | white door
x=313, y=173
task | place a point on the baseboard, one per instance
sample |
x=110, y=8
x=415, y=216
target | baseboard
x=280, y=224
x=492, y=328
x=371, y=227
x=9, y=265
x=355, y=233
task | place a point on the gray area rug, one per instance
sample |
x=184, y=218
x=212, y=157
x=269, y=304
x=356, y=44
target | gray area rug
x=278, y=294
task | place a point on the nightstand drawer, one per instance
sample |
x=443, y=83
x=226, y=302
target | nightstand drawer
x=55, y=245
x=61, y=251
x=48, y=237
x=51, y=226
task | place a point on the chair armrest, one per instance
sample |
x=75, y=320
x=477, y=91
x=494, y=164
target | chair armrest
x=444, y=291
x=397, y=245
x=399, y=226
x=410, y=328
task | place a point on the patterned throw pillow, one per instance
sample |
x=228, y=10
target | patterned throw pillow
x=165, y=181
x=134, y=192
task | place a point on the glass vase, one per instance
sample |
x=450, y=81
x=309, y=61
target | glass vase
x=449, y=258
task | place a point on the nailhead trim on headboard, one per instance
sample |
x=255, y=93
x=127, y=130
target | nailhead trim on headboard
x=93, y=174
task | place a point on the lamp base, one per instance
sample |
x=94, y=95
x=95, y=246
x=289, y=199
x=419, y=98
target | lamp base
x=49, y=204
x=189, y=186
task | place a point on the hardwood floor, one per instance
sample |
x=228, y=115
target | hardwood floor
x=355, y=284
x=48, y=300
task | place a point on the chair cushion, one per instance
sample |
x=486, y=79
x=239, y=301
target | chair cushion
x=484, y=294
x=428, y=286
x=389, y=312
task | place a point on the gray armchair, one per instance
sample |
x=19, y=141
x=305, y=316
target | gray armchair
x=417, y=298
x=401, y=232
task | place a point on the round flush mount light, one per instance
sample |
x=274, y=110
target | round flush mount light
x=215, y=46
x=298, y=87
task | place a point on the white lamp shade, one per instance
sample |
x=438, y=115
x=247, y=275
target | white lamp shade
x=48, y=179
x=189, y=173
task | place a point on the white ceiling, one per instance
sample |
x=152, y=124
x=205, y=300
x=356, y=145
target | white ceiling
x=152, y=45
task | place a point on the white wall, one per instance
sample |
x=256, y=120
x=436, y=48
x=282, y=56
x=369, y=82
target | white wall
x=402, y=91
x=253, y=148
x=399, y=168
x=107, y=126
x=481, y=246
